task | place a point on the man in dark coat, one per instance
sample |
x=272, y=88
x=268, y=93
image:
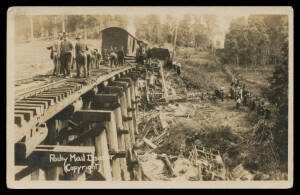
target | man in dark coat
x=98, y=58
x=81, y=56
x=55, y=55
x=113, y=57
x=66, y=48
x=121, y=56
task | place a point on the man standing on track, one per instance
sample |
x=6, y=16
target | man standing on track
x=113, y=57
x=66, y=55
x=98, y=58
x=105, y=56
x=55, y=56
x=81, y=56
x=121, y=56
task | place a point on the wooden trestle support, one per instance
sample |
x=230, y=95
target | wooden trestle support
x=103, y=123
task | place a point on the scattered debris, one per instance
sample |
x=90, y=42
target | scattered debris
x=168, y=164
x=149, y=143
x=239, y=173
x=173, y=147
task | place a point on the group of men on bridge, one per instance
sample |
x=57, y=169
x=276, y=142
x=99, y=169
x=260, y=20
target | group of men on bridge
x=143, y=55
x=65, y=55
x=115, y=56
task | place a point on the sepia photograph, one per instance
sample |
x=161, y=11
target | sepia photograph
x=150, y=97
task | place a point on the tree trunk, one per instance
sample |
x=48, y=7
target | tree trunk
x=85, y=28
x=31, y=28
x=63, y=24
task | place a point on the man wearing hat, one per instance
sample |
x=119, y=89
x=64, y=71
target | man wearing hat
x=113, y=57
x=55, y=55
x=121, y=56
x=66, y=48
x=81, y=56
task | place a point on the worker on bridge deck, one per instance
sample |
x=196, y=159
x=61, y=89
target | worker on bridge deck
x=55, y=55
x=81, y=56
x=98, y=58
x=66, y=48
x=105, y=57
x=121, y=56
x=113, y=57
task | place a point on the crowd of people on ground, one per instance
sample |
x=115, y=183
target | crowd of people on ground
x=66, y=56
x=243, y=97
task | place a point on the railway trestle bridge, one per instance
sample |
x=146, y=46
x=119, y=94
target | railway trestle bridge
x=79, y=128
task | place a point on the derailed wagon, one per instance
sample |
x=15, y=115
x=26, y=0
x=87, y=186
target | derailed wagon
x=116, y=37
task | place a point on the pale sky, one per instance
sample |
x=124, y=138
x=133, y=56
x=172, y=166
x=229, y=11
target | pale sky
x=222, y=13
x=223, y=22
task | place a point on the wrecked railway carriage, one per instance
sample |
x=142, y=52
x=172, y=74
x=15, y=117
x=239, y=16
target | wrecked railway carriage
x=117, y=37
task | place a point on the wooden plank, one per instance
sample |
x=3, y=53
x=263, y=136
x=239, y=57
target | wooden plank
x=40, y=106
x=124, y=113
x=59, y=95
x=126, y=79
x=105, y=98
x=25, y=172
x=27, y=114
x=86, y=135
x=67, y=88
x=121, y=141
x=113, y=143
x=19, y=119
x=93, y=115
x=113, y=89
x=34, y=138
x=120, y=84
x=65, y=92
x=45, y=103
x=36, y=110
x=163, y=82
x=47, y=96
x=149, y=143
x=129, y=113
x=50, y=101
x=102, y=153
